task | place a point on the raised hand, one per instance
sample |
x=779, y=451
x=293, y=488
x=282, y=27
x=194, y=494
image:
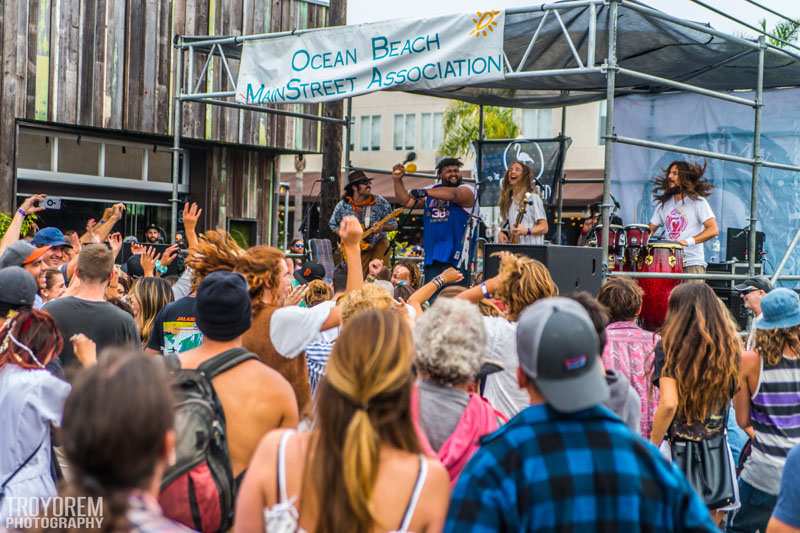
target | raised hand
x=350, y=231
x=191, y=214
x=398, y=171
x=118, y=210
x=169, y=255
x=115, y=241
x=148, y=260
x=297, y=294
x=32, y=204
x=452, y=275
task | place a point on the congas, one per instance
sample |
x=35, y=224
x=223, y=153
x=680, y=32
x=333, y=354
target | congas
x=636, y=238
x=616, y=243
x=658, y=256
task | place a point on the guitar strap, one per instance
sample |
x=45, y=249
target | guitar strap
x=367, y=216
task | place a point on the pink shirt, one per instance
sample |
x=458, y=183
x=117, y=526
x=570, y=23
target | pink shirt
x=630, y=351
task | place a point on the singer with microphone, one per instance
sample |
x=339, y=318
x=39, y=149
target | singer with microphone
x=682, y=208
x=521, y=209
x=369, y=209
x=448, y=206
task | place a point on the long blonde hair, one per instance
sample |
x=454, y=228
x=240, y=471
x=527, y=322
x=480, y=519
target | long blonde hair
x=364, y=402
x=151, y=294
x=771, y=343
x=516, y=192
x=702, y=350
x=524, y=280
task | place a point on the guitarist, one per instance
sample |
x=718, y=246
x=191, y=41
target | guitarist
x=368, y=208
x=521, y=209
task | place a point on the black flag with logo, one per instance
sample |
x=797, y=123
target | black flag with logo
x=545, y=157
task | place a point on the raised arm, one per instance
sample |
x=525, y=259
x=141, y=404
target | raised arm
x=463, y=196
x=424, y=293
x=29, y=206
x=191, y=215
x=350, y=232
x=103, y=229
x=400, y=191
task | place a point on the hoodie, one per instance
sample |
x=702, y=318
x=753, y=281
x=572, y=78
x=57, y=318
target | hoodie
x=623, y=400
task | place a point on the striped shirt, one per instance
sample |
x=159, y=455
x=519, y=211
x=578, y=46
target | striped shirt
x=317, y=354
x=775, y=415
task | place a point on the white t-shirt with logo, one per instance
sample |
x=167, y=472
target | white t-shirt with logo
x=683, y=219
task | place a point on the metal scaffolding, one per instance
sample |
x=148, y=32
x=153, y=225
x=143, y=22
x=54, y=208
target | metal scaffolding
x=585, y=65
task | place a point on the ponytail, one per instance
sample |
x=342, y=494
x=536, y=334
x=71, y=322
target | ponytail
x=360, y=463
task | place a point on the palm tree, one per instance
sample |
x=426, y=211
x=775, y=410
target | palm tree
x=460, y=124
x=785, y=31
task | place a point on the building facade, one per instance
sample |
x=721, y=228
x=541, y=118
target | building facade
x=86, y=112
x=388, y=125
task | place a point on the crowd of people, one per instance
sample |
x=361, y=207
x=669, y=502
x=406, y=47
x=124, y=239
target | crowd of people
x=256, y=392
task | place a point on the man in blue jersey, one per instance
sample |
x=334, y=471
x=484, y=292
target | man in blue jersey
x=448, y=206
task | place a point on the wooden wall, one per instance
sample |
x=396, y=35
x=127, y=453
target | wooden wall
x=108, y=64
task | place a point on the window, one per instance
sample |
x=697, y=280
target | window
x=124, y=162
x=405, y=131
x=431, y=133
x=34, y=152
x=536, y=123
x=71, y=158
x=159, y=165
x=601, y=123
x=370, y=132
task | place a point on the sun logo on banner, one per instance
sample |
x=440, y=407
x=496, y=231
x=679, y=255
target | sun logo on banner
x=484, y=23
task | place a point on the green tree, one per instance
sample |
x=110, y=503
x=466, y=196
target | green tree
x=784, y=30
x=460, y=124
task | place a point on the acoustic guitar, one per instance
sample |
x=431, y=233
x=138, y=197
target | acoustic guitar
x=523, y=208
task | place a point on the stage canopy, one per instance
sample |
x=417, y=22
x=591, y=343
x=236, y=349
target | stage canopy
x=648, y=41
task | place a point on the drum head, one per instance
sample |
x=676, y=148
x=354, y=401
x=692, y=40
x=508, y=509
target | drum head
x=672, y=245
x=638, y=226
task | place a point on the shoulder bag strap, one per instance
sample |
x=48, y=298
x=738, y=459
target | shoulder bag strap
x=225, y=361
x=20, y=467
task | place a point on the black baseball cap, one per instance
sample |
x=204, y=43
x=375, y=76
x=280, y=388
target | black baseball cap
x=223, y=306
x=309, y=272
x=757, y=283
x=558, y=349
x=17, y=287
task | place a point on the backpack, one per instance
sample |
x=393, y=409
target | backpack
x=199, y=489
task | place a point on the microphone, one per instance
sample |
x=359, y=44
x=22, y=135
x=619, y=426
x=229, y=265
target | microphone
x=410, y=156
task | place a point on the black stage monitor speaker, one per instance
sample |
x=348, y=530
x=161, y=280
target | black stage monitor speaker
x=573, y=268
x=737, y=241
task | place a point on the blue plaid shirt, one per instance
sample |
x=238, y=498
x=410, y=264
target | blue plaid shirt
x=586, y=471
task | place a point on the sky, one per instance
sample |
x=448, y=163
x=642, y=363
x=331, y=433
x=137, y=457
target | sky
x=360, y=11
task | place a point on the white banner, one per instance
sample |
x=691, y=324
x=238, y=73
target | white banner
x=335, y=63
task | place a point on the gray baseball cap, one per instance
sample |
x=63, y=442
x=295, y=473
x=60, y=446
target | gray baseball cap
x=17, y=287
x=20, y=253
x=557, y=348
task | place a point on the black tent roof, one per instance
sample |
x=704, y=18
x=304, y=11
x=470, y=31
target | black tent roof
x=648, y=41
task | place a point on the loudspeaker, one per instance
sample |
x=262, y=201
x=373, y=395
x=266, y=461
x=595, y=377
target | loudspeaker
x=573, y=268
x=737, y=241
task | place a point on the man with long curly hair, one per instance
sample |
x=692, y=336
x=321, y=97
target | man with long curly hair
x=684, y=212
